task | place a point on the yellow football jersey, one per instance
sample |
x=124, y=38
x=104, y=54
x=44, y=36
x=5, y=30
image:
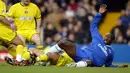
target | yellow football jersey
x=2, y=9
x=24, y=16
x=6, y=34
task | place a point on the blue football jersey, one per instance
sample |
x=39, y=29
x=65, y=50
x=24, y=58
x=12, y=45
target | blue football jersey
x=97, y=51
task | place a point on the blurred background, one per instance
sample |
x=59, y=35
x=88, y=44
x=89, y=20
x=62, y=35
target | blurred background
x=71, y=19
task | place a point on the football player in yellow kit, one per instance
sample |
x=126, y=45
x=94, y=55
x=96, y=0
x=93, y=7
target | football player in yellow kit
x=36, y=55
x=26, y=15
x=56, y=59
x=8, y=35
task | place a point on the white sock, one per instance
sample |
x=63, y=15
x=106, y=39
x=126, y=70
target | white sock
x=54, y=48
x=18, y=58
x=81, y=64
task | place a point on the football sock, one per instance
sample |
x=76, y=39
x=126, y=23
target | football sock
x=42, y=58
x=55, y=48
x=19, y=52
x=39, y=47
x=81, y=64
x=26, y=55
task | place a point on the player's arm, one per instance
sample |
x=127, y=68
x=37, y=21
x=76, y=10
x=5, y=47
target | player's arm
x=9, y=17
x=94, y=24
x=11, y=13
x=115, y=66
x=38, y=19
x=109, y=63
x=38, y=24
x=4, y=21
x=3, y=14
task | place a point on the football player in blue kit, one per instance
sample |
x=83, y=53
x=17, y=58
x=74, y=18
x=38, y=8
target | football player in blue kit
x=96, y=54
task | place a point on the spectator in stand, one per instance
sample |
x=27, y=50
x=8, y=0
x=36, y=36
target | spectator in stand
x=71, y=37
x=64, y=32
x=125, y=18
x=119, y=27
x=73, y=5
x=63, y=5
x=39, y=2
x=128, y=6
x=119, y=39
x=48, y=41
x=86, y=5
x=81, y=11
x=79, y=34
x=70, y=27
x=43, y=11
x=118, y=36
x=49, y=31
x=69, y=12
x=128, y=35
x=56, y=38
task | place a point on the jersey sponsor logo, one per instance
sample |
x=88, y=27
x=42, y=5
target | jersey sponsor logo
x=110, y=51
x=26, y=18
x=104, y=49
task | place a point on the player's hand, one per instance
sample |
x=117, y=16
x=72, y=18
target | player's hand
x=102, y=8
x=123, y=66
x=11, y=20
x=38, y=30
x=13, y=27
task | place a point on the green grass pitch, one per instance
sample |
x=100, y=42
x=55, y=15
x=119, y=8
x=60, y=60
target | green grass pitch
x=5, y=68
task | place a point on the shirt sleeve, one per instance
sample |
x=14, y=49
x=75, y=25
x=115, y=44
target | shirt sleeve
x=2, y=10
x=38, y=13
x=11, y=12
x=94, y=27
x=109, y=62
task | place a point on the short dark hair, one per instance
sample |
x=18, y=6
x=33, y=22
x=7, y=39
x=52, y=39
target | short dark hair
x=113, y=36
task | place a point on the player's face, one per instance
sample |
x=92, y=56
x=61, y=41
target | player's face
x=108, y=39
x=26, y=2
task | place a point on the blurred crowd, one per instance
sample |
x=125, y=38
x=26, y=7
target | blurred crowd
x=71, y=19
x=65, y=19
x=122, y=28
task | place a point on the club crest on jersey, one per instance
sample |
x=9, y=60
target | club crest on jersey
x=26, y=12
